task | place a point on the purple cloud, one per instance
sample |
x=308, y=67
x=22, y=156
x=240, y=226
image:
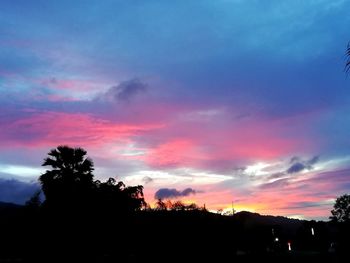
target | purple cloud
x=165, y=193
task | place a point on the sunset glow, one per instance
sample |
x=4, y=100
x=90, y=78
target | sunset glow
x=243, y=107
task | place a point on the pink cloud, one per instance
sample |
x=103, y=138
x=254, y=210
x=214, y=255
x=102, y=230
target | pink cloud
x=177, y=152
x=205, y=145
x=53, y=128
x=310, y=195
x=169, y=141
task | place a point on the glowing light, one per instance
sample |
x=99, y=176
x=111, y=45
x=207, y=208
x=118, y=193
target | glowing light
x=179, y=176
x=276, y=239
x=21, y=170
x=132, y=150
x=331, y=164
x=257, y=169
x=289, y=246
x=312, y=231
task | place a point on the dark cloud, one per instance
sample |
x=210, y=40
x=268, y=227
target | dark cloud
x=125, y=91
x=172, y=193
x=14, y=191
x=188, y=191
x=296, y=167
x=313, y=160
x=147, y=179
x=299, y=165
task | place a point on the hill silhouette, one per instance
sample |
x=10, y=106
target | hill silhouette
x=86, y=220
x=6, y=205
x=151, y=235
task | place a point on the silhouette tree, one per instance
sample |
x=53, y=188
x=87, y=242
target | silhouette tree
x=134, y=197
x=116, y=196
x=220, y=211
x=70, y=177
x=192, y=206
x=341, y=211
x=34, y=202
x=160, y=205
x=178, y=206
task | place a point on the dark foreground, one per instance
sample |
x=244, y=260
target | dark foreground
x=166, y=236
x=194, y=257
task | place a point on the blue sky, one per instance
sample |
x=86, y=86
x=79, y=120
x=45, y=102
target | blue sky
x=222, y=97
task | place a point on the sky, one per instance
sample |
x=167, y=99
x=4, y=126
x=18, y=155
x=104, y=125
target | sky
x=223, y=103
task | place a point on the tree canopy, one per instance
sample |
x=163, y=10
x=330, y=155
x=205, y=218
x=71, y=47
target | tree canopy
x=341, y=211
x=70, y=177
x=70, y=183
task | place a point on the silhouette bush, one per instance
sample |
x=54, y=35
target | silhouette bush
x=341, y=211
x=86, y=220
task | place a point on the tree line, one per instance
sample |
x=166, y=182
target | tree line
x=84, y=219
x=70, y=184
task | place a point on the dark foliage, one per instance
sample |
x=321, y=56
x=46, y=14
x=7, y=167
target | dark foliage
x=35, y=201
x=70, y=185
x=166, y=235
x=70, y=179
x=341, y=211
x=113, y=196
x=83, y=220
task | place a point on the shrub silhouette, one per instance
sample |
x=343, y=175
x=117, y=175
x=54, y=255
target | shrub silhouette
x=114, y=196
x=341, y=211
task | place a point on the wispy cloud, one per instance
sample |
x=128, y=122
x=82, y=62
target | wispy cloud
x=123, y=92
x=51, y=128
x=299, y=165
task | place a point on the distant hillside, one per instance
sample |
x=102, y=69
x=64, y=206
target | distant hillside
x=5, y=207
x=156, y=236
x=253, y=219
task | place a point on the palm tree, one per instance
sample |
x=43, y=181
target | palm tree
x=70, y=174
